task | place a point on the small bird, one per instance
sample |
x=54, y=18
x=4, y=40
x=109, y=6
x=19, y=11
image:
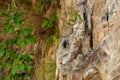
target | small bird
x=64, y=42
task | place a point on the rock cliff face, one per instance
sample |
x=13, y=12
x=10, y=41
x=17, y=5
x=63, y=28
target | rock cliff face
x=93, y=43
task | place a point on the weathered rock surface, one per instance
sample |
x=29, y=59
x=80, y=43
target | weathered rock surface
x=93, y=43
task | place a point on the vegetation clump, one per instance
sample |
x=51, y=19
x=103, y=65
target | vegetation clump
x=14, y=64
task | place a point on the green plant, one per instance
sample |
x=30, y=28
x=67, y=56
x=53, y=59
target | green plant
x=53, y=38
x=50, y=23
x=13, y=64
x=79, y=16
x=73, y=14
x=42, y=5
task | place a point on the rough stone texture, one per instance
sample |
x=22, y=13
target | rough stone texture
x=93, y=49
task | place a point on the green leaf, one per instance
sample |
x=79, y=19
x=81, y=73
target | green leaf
x=55, y=39
x=49, y=40
x=7, y=53
x=16, y=60
x=17, y=18
x=9, y=17
x=11, y=29
x=6, y=27
x=25, y=79
x=13, y=10
x=53, y=17
x=19, y=56
x=52, y=20
x=28, y=67
x=29, y=39
x=16, y=76
x=21, y=67
x=79, y=17
x=18, y=25
x=4, y=12
x=7, y=65
x=14, y=70
x=20, y=43
x=51, y=24
x=1, y=52
x=31, y=75
x=44, y=24
x=13, y=54
x=10, y=42
x=26, y=58
x=27, y=31
x=34, y=39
